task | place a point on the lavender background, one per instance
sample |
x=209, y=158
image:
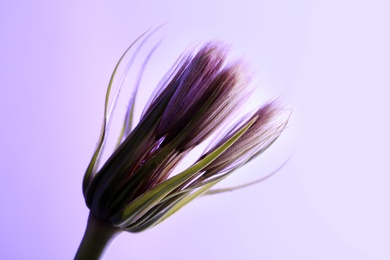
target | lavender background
x=329, y=58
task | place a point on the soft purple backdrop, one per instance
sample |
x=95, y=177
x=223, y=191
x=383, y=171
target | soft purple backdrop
x=329, y=58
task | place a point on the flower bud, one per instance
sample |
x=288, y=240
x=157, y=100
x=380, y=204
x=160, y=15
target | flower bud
x=134, y=189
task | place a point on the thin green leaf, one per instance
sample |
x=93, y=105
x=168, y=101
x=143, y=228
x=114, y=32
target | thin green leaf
x=91, y=169
x=229, y=189
x=153, y=215
x=127, y=125
x=148, y=200
x=187, y=199
x=166, y=210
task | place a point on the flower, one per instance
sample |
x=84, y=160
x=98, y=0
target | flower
x=134, y=189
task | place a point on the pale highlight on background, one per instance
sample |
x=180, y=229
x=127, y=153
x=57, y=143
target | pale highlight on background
x=329, y=58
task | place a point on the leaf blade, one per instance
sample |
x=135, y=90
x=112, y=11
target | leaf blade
x=106, y=117
x=148, y=200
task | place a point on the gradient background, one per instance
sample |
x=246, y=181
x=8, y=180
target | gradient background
x=329, y=58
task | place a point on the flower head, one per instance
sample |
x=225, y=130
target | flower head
x=135, y=189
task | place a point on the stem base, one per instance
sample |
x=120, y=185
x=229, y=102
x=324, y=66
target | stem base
x=97, y=237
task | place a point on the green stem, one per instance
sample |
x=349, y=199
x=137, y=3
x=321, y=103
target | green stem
x=98, y=235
